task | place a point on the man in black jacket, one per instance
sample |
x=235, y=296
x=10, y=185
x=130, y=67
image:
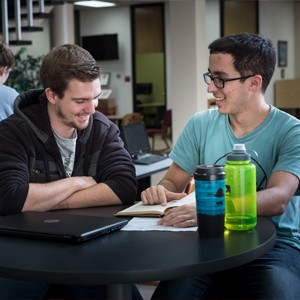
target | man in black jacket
x=57, y=152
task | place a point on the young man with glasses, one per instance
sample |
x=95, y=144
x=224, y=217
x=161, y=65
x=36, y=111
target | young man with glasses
x=239, y=71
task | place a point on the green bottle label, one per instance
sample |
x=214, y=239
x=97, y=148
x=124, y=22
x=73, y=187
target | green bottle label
x=240, y=199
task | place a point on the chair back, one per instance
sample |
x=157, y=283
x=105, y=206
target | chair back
x=167, y=119
x=132, y=118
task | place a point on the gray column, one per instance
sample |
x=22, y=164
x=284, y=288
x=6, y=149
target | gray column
x=187, y=61
x=63, y=31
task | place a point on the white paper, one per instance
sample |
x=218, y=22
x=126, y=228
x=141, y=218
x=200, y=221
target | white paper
x=150, y=224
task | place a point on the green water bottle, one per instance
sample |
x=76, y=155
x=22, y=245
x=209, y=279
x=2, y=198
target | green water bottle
x=240, y=198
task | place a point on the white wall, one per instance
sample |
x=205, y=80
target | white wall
x=276, y=21
x=113, y=20
x=40, y=40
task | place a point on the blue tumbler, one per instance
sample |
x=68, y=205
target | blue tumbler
x=210, y=199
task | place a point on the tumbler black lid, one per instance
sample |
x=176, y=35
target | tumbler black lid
x=209, y=172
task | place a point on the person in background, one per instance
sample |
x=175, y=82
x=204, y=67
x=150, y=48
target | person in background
x=239, y=71
x=7, y=94
x=57, y=152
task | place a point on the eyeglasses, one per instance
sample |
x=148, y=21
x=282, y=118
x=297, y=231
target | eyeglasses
x=219, y=82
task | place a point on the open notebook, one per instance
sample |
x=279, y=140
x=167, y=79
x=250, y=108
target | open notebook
x=58, y=226
x=137, y=144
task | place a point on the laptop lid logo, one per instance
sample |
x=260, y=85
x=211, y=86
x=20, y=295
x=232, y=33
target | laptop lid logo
x=51, y=221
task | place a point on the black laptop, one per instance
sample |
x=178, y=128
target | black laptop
x=58, y=226
x=136, y=142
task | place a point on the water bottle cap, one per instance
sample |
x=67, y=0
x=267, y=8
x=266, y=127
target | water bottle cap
x=238, y=153
x=239, y=147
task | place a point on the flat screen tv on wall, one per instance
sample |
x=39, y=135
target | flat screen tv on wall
x=102, y=47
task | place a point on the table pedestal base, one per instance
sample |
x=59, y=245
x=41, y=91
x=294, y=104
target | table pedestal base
x=119, y=292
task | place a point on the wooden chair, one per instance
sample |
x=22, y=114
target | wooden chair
x=190, y=187
x=164, y=131
x=132, y=118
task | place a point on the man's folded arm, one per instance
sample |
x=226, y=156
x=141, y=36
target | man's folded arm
x=46, y=196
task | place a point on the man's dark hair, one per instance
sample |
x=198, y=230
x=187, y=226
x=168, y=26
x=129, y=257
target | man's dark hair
x=64, y=63
x=252, y=54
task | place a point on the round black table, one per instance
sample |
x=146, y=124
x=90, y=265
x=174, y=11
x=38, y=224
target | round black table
x=125, y=257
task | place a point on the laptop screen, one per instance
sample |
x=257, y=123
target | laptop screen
x=135, y=138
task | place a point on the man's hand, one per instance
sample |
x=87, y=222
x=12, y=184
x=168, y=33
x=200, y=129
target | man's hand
x=175, y=179
x=180, y=216
x=159, y=195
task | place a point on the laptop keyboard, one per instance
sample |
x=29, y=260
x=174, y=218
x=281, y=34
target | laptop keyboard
x=148, y=158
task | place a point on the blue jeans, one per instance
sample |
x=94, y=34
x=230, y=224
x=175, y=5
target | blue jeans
x=275, y=275
x=21, y=290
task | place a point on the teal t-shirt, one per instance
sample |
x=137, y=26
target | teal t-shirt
x=275, y=144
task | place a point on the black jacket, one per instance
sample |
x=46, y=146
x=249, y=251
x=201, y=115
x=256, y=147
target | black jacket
x=29, y=153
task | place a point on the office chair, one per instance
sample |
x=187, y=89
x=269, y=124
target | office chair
x=164, y=131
